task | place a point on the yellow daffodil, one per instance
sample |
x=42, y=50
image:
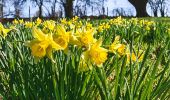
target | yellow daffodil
x=121, y=49
x=42, y=44
x=61, y=37
x=86, y=37
x=75, y=19
x=49, y=24
x=135, y=57
x=28, y=24
x=63, y=21
x=73, y=39
x=15, y=21
x=38, y=48
x=3, y=31
x=117, y=47
x=89, y=26
x=100, y=28
x=85, y=63
x=21, y=21
x=38, y=21
x=96, y=54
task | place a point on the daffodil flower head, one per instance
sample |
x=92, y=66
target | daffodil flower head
x=43, y=44
x=28, y=24
x=85, y=64
x=96, y=54
x=75, y=19
x=133, y=56
x=61, y=37
x=116, y=46
x=38, y=48
x=49, y=24
x=15, y=21
x=38, y=21
x=21, y=21
x=73, y=39
x=63, y=21
x=86, y=37
x=4, y=31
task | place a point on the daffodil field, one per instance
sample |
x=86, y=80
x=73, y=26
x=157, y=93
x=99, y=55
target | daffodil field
x=76, y=59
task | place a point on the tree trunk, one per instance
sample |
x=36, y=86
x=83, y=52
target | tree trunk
x=140, y=6
x=40, y=11
x=162, y=13
x=162, y=10
x=155, y=13
x=68, y=8
x=1, y=8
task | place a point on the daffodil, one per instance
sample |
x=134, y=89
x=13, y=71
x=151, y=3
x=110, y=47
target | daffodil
x=28, y=24
x=100, y=28
x=96, y=55
x=38, y=21
x=3, y=31
x=74, y=19
x=63, y=21
x=89, y=26
x=61, y=37
x=134, y=57
x=86, y=37
x=85, y=64
x=38, y=48
x=116, y=46
x=15, y=21
x=49, y=24
x=43, y=44
x=21, y=21
x=73, y=39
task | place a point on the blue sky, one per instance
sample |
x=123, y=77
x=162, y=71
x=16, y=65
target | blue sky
x=111, y=4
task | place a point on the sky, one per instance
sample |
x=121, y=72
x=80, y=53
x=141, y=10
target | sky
x=111, y=4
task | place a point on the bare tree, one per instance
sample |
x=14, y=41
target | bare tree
x=53, y=7
x=154, y=5
x=68, y=7
x=79, y=8
x=121, y=12
x=1, y=7
x=18, y=6
x=40, y=4
x=94, y=4
x=162, y=7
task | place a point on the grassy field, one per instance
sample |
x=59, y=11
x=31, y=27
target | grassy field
x=127, y=59
x=159, y=19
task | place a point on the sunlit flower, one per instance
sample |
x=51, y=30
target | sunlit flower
x=38, y=21
x=28, y=24
x=3, y=31
x=49, y=24
x=86, y=37
x=135, y=57
x=96, y=54
x=61, y=37
x=63, y=21
x=15, y=21
x=42, y=44
x=116, y=46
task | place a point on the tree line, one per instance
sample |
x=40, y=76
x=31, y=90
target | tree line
x=70, y=8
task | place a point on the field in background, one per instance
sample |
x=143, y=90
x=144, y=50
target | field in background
x=164, y=19
x=75, y=59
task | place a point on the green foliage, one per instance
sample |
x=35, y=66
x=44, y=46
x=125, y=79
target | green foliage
x=22, y=77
